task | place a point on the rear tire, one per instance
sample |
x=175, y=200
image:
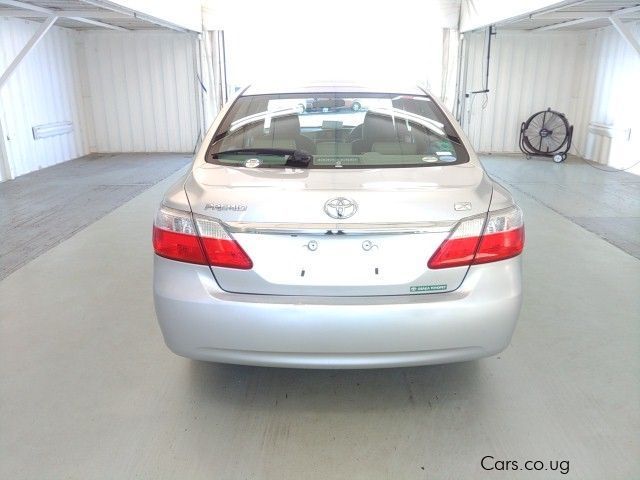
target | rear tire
x=355, y=106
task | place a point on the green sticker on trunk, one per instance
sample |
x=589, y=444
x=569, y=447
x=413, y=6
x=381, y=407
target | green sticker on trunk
x=427, y=288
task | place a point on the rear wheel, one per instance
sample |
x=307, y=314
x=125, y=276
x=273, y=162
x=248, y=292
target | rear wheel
x=356, y=106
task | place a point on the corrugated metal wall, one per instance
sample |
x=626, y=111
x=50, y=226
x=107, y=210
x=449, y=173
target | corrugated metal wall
x=141, y=88
x=44, y=89
x=589, y=75
x=528, y=73
x=612, y=68
x=123, y=92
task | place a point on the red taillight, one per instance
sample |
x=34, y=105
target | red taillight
x=500, y=246
x=455, y=252
x=205, y=242
x=226, y=253
x=178, y=246
x=473, y=242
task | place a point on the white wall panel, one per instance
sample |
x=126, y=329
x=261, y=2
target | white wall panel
x=612, y=101
x=142, y=91
x=44, y=89
x=591, y=76
x=528, y=73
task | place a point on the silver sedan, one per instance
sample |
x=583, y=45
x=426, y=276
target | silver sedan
x=337, y=238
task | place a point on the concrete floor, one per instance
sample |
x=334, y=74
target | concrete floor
x=89, y=391
x=604, y=201
x=43, y=208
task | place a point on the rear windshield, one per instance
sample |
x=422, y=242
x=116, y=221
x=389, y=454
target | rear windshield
x=335, y=130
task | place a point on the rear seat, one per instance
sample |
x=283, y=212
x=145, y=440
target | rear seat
x=268, y=142
x=394, y=148
x=381, y=134
x=333, y=148
x=283, y=132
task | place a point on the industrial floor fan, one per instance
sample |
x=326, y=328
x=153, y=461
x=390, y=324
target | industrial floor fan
x=548, y=134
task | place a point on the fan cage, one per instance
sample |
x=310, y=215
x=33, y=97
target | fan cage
x=546, y=133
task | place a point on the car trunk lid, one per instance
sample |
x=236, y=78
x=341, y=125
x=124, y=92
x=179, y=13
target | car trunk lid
x=389, y=223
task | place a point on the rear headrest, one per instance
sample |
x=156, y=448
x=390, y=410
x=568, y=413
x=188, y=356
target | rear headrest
x=378, y=128
x=285, y=127
x=282, y=133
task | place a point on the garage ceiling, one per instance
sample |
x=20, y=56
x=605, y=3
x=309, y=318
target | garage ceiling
x=83, y=14
x=580, y=15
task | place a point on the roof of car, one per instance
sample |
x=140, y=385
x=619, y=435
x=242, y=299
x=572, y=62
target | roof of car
x=330, y=87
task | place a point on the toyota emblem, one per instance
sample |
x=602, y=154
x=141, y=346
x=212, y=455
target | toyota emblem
x=340, y=208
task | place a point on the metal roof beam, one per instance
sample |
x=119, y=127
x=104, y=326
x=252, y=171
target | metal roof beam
x=113, y=11
x=569, y=15
x=626, y=11
x=46, y=11
x=25, y=6
x=132, y=13
x=89, y=14
x=584, y=17
x=626, y=32
x=568, y=4
x=33, y=41
x=569, y=23
x=89, y=21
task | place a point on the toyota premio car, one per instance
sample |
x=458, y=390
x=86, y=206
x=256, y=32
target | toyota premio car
x=352, y=239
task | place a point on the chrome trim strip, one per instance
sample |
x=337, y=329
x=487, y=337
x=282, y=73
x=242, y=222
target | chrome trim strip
x=346, y=228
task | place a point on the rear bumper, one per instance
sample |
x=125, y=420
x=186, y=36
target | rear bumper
x=201, y=321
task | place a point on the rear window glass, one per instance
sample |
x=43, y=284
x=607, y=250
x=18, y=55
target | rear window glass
x=336, y=130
